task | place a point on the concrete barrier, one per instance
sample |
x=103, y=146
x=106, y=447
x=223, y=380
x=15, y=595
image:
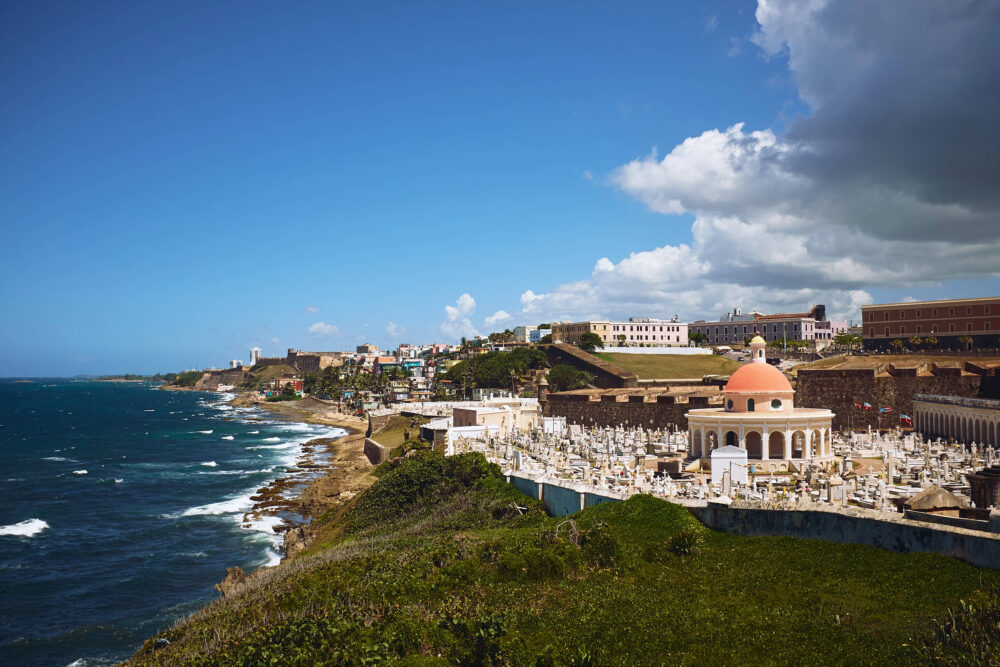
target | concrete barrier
x=560, y=500
x=376, y=452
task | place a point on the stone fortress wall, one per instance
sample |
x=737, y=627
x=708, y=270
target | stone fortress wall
x=304, y=362
x=891, y=385
x=606, y=375
x=649, y=408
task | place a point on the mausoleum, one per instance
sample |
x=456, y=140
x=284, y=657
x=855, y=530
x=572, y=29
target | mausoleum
x=759, y=416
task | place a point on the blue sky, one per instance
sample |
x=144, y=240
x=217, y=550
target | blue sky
x=181, y=181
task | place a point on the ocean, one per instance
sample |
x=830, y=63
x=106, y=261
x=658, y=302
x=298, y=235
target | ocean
x=120, y=509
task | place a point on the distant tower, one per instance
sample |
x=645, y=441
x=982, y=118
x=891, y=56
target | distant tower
x=254, y=355
x=757, y=345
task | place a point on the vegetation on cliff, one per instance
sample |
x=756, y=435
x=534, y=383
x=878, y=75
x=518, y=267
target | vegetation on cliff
x=442, y=562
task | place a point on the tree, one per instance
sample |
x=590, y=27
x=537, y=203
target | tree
x=545, y=340
x=916, y=342
x=931, y=341
x=847, y=339
x=697, y=338
x=621, y=339
x=896, y=344
x=590, y=342
x=967, y=342
x=563, y=377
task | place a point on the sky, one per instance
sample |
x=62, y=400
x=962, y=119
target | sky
x=180, y=182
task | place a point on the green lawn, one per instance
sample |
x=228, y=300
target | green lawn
x=434, y=564
x=667, y=366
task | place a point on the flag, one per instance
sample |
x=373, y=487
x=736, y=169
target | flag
x=858, y=406
x=884, y=410
x=906, y=419
x=868, y=406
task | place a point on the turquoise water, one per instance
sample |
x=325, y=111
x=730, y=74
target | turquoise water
x=121, y=507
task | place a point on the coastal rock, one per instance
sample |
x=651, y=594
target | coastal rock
x=235, y=579
x=296, y=539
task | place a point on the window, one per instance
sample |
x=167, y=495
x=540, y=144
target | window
x=933, y=312
x=934, y=328
x=750, y=405
x=986, y=327
x=887, y=331
x=951, y=311
x=871, y=332
x=968, y=327
x=918, y=313
x=729, y=404
x=951, y=327
x=918, y=329
x=902, y=314
x=886, y=316
x=968, y=311
x=986, y=310
x=775, y=404
x=902, y=330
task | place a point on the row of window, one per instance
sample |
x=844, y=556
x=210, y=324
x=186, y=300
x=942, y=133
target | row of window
x=934, y=329
x=870, y=316
x=642, y=327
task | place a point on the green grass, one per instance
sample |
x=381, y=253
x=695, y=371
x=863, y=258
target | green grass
x=669, y=366
x=393, y=434
x=434, y=565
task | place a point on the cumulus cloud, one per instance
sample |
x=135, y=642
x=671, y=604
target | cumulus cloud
x=322, y=330
x=312, y=309
x=499, y=316
x=394, y=330
x=888, y=180
x=457, y=321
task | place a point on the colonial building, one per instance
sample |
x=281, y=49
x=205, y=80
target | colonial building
x=632, y=332
x=947, y=320
x=759, y=416
x=736, y=327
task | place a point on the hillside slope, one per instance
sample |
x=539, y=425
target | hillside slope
x=442, y=562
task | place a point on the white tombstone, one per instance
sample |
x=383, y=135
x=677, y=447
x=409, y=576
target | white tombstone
x=732, y=460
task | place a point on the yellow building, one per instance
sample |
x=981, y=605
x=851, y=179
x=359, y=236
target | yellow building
x=570, y=332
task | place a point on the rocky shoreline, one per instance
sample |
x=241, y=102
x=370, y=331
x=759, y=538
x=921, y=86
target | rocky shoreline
x=346, y=472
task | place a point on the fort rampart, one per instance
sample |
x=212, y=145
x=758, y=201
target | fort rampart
x=606, y=375
x=646, y=408
x=892, y=385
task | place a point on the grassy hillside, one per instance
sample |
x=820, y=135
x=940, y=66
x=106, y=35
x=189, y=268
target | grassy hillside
x=435, y=564
x=662, y=366
x=261, y=375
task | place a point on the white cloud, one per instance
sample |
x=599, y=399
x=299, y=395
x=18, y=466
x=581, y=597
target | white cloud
x=887, y=181
x=499, y=316
x=394, y=330
x=711, y=23
x=312, y=309
x=322, y=330
x=275, y=340
x=457, y=321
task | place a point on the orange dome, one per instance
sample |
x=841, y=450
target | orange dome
x=758, y=378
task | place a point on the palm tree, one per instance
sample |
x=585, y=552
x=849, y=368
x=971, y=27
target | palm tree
x=931, y=341
x=897, y=345
x=916, y=342
x=967, y=342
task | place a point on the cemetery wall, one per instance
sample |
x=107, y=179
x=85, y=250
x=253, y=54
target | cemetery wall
x=855, y=527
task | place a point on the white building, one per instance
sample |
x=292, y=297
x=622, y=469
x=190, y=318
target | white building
x=235, y=363
x=536, y=335
x=522, y=334
x=254, y=355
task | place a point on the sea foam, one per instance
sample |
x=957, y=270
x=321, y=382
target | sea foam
x=79, y=472
x=210, y=464
x=28, y=528
x=228, y=437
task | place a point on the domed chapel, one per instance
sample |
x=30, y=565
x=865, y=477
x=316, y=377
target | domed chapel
x=759, y=416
